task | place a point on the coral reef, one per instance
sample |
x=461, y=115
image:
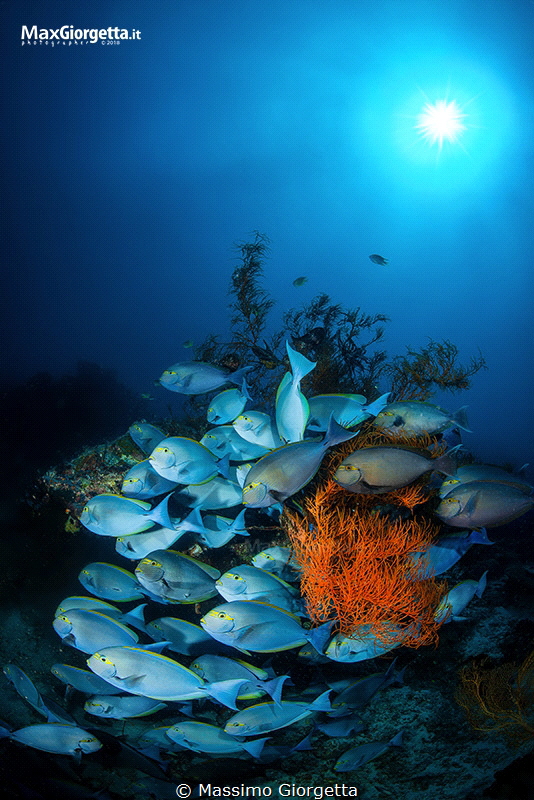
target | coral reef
x=355, y=552
x=499, y=699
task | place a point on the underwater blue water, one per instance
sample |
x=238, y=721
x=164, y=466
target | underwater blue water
x=134, y=168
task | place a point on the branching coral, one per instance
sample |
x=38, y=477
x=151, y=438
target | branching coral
x=356, y=564
x=499, y=699
x=416, y=375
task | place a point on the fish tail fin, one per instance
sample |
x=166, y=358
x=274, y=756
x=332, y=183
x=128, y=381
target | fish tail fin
x=238, y=376
x=446, y=463
x=335, y=433
x=225, y=692
x=377, y=405
x=397, y=740
x=274, y=687
x=160, y=513
x=318, y=637
x=300, y=365
x=193, y=522
x=460, y=419
x=322, y=703
x=238, y=525
x=136, y=617
x=481, y=585
x=223, y=465
x=5, y=730
x=244, y=389
x=479, y=537
x=255, y=747
x=156, y=647
x=304, y=744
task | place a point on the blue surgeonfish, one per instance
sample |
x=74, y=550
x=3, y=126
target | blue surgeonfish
x=82, y=680
x=266, y=717
x=184, y=637
x=26, y=688
x=55, y=737
x=197, y=377
x=348, y=410
x=122, y=706
x=245, y=582
x=341, y=726
x=90, y=630
x=227, y=405
x=218, y=530
x=292, y=409
x=143, y=482
x=257, y=428
x=413, y=418
x=378, y=259
x=177, y=578
x=259, y=627
x=358, y=693
x=114, y=515
x=90, y=604
x=278, y=560
x=442, y=555
x=226, y=441
x=216, y=494
x=149, y=674
x=283, y=472
x=479, y=504
x=468, y=473
x=146, y=436
x=204, y=738
x=139, y=545
x=377, y=470
x=220, y=668
x=457, y=599
x=110, y=582
x=363, y=644
x=184, y=461
x=357, y=756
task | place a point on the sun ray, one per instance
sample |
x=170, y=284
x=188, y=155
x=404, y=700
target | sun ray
x=441, y=122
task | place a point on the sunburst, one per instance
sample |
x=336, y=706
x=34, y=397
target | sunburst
x=441, y=122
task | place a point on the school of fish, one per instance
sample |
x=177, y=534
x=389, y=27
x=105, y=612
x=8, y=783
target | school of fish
x=140, y=664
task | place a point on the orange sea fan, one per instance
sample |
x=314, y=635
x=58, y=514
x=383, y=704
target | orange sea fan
x=356, y=565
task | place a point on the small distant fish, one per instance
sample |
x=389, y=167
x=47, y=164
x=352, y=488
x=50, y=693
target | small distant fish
x=145, y=435
x=267, y=717
x=188, y=343
x=443, y=554
x=53, y=737
x=123, y=707
x=204, y=738
x=376, y=259
x=146, y=396
x=357, y=756
x=300, y=281
x=459, y=596
x=197, y=377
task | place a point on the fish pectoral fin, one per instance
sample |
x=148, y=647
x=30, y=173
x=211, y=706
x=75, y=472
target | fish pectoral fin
x=130, y=680
x=278, y=496
x=69, y=639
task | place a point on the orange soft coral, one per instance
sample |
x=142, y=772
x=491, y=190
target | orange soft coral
x=355, y=559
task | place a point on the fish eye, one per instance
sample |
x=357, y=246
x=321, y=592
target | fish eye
x=85, y=509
